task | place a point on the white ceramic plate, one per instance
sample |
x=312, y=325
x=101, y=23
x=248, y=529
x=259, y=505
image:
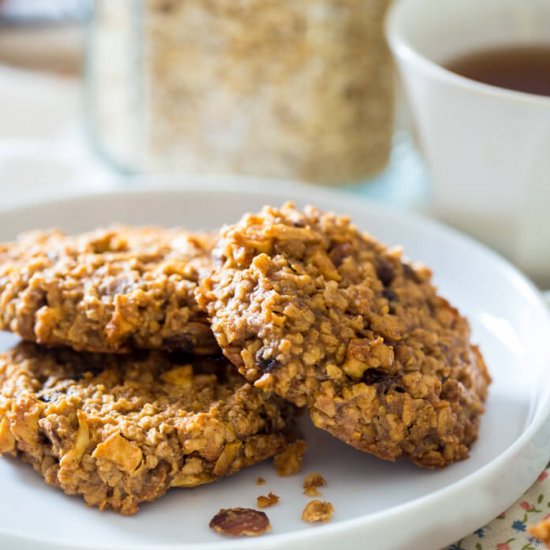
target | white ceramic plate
x=378, y=505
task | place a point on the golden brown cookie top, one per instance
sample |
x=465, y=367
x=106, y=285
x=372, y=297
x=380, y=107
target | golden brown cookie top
x=306, y=294
x=108, y=290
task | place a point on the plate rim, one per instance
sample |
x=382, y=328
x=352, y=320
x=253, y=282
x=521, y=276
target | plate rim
x=146, y=186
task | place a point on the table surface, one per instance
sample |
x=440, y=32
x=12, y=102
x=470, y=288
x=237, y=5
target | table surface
x=45, y=152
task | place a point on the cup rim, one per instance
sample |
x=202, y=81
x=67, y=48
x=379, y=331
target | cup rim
x=404, y=50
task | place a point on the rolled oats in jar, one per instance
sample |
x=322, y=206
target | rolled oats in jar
x=298, y=89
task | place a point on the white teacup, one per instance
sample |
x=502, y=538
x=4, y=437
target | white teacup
x=488, y=148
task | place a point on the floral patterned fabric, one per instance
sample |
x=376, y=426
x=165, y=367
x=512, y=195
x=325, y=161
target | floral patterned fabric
x=509, y=530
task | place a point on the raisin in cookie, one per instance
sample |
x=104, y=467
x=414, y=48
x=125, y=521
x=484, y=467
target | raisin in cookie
x=308, y=307
x=123, y=429
x=107, y=291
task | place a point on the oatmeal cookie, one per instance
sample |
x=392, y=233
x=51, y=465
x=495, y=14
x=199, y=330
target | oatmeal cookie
x=310, y=308
x=123, y=429
x=106, y=291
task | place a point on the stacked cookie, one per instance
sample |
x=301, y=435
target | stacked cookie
x=120, y=391
x=311, y=312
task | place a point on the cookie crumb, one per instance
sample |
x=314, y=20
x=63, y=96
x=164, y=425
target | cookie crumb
x=289, y=461
x=239, y=522
x=541, y=531
x=318, y=511
x=266, y=501
x=260, y=481
x=312, y=482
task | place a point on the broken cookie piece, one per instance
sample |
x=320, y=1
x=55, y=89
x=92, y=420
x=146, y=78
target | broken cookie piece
x=123, y=429
x=267, y=501
x=311, y=484
x=240, y=522
x=541, y=531
x=318, y=511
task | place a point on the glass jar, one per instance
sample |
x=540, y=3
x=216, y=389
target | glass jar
x=299, y=89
